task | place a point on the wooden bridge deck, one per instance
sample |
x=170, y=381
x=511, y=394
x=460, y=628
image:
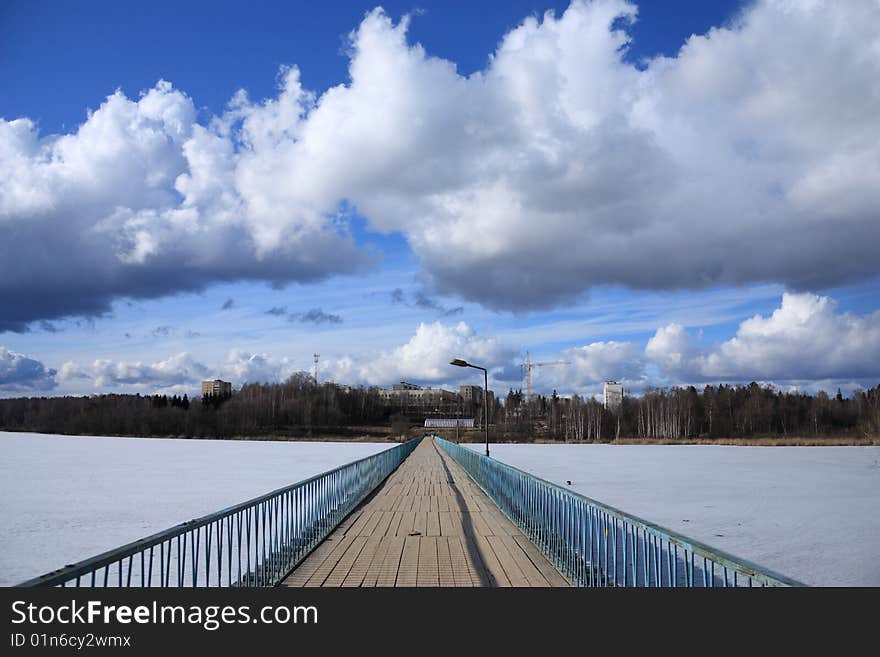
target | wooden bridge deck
x=427, y=525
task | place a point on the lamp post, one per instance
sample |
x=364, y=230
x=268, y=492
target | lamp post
x=458, y=362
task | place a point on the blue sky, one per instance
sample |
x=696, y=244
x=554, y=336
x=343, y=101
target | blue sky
x=86, y=50
x=596, y=185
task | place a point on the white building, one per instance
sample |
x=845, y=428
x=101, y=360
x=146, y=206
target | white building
x=216, y=388
x=449, y=423
x=409, y=394
x=613, y=395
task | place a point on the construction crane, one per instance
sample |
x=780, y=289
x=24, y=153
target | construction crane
x=528, y=367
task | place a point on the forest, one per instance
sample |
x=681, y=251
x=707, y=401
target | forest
x=294, y=408
x=299, y=408
x=722, y=411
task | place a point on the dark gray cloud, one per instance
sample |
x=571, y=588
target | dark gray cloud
x=427, y=303
x=316, y=316
x=313, y=316
x=229, y=303
x=49, y=327
x=424, y=302
x=19, y=373
x=166, y=331
x=83, y=283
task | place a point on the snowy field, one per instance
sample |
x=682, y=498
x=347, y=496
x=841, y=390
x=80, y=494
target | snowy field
x=808, y=512
x=65, y=498
x=812, y=513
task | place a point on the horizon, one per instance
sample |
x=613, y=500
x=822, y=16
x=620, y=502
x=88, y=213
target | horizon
x=501, y=398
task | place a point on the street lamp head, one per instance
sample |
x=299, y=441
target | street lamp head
x=458, y=362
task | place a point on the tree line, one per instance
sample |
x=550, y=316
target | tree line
x=722, y=411
x=298, y=408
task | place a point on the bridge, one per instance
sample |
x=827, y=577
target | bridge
x=428, y=525
x=427, y=513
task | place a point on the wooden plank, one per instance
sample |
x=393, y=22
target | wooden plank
x=357, y=526
x=329, y=562
x=450, y=524
x=553, y=576
x=508, y=562
x=478, y=524
x=406, y=523
x=363, y=563
x=386, y=574
x=532, y=574
x=493, y=569
x=370, y=526
x=346, y=561
x=350, y=520
x=433, y=523
x=396, y=517
x=429, y=567
x=420, y=526
x=465, y=570
x=381, y=527
x=408, y=570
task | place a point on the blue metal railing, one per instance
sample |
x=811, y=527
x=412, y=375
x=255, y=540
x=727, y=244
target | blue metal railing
x=255, y=543
x=593, y=544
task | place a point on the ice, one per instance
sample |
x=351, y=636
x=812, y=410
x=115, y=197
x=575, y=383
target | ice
x=812, y=513
x=808, y=512
x=66, y=498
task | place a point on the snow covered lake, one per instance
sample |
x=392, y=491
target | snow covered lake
x=807, y=512
x=66, y=498
x=812, y=513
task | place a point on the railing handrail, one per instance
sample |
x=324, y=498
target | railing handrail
x=129, y=549
x=720, y=557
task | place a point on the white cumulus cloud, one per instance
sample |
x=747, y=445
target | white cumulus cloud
x=425, y=358
x=242, y=366
x=175, y=372
x=598, y=362
x=141, y=201
x=805, y=339
x=22, y=374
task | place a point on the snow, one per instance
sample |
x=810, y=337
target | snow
x=66, y=498
x=812, y=513
x=807, y=512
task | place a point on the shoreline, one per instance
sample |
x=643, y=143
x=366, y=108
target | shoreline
x=788, y=441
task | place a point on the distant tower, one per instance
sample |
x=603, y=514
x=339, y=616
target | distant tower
x=613, y=395
x=317, y=358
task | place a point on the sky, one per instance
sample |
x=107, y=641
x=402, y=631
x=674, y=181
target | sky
x=674, y=193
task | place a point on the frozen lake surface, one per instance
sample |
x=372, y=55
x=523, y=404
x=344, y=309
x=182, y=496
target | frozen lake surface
x=66, y=498
x=812, y=513
x=807, y=512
